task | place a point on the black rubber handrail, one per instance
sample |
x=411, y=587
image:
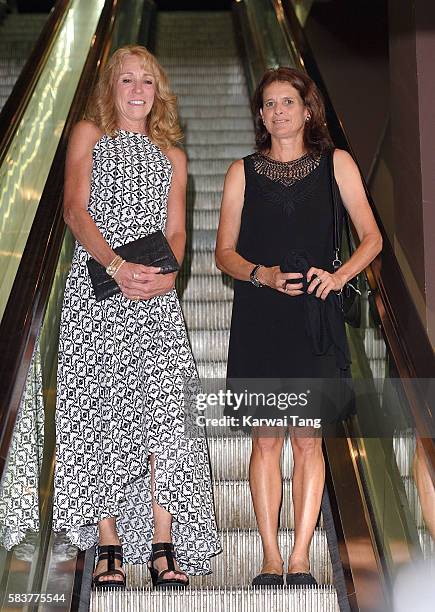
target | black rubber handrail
x=16, y=104
x=247, y=38
x=403, y=329
x=28, y=299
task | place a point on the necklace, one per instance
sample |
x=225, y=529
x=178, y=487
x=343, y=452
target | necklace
x=288, y=172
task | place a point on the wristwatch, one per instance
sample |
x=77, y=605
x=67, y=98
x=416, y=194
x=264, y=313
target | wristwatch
x=253, y=276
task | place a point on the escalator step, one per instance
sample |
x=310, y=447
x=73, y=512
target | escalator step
x=208, y=288
x=220, y=600
x=199, y=263
x=196, y=73
x=202, y=200
x=241, y=560
x=236, y=151
x=213, y=76
x=201, y=137
x=217, y=100
x=234, y=509
x=229, y=457
x=201, y=62
x=203, y=240
x=212, y=183
x=222, y=123
x=211, y=369
x=209, y=345
x=198, y=316
x=404, y=448
x=204, y=219
x=18, y=34
x=212, y=111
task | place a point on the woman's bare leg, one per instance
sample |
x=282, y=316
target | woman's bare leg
x=107, y=535
x=266, y=489
x=307, y=489
x=162, y=531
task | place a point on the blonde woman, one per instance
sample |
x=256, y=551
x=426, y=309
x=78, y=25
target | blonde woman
x=126, y=472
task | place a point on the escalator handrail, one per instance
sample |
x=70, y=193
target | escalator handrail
x=378, y=151
x=16, y=104
x=251, y=40
x=402, y=326
x=30, y=292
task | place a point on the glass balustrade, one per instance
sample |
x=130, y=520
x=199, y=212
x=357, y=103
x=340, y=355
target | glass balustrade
x=31, y=152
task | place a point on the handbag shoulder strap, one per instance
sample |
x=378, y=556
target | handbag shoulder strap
x=337, y=206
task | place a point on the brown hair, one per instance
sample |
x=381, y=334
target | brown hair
x=316, y=133
x=162, y=121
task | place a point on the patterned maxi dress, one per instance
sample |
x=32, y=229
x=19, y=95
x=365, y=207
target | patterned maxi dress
x=121, y=374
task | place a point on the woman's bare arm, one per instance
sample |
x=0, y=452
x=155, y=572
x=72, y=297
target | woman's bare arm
x=354, y=198
x=176, y=221
x=227, y=259
x=78, y=168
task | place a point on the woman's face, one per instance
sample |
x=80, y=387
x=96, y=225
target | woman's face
x=134, y=92
x=284, y=113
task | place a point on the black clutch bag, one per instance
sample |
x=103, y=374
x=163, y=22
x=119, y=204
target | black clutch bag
x=152, y=250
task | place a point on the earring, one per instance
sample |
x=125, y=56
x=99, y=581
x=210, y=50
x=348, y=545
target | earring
x=308, y=117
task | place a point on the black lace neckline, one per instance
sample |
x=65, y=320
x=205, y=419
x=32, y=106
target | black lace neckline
x=289, y=172
x=284, y=163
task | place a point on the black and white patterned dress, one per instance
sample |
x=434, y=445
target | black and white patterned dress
x=121, y=374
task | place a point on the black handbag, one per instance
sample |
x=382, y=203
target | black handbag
x=350, y=295
x=151, y=250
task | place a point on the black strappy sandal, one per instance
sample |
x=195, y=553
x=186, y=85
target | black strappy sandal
x=164, y=549
x=109, y=552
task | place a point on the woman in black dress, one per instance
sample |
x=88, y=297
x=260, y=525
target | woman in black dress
x=276, y=209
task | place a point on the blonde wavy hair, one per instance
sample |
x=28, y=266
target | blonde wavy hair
x=162, y=121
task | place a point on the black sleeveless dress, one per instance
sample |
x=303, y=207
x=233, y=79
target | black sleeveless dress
x=287, y=207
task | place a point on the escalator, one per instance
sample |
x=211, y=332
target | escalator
x=18, y=34
x=372, y=519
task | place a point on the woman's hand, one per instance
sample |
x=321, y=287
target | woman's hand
x=143, y=282
x=324, y=282
x=274, y=278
